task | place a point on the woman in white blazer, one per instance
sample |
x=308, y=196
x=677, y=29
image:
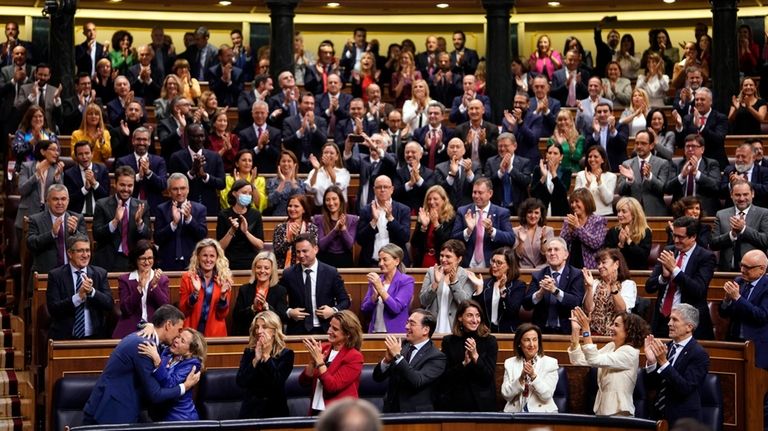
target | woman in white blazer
x=617, y=361
x=530, y=377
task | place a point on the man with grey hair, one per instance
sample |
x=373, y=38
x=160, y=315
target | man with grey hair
x=677, y=369
x=179, y=225
x=116, y=107
x=414, y=178
x=510, y=173
x=555, y=290
x=350, y=414
x=704, y=121
x=745, y=168
x=263, y=139
x=377, y=162
x=50, y=229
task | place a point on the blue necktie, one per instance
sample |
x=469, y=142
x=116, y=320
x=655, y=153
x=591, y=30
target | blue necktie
x=506, y=181
x=78, y=331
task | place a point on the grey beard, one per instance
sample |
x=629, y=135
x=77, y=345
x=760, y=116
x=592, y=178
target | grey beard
x=742, y=168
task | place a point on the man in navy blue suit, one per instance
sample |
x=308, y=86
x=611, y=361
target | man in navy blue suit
x=526, y=128
x=682, y=275
x=127, y=383
x=434, y=136
x=460, y=104
x=678, y=369
x=333, y=105
x=88, y=53
x=150, y=170
x=116, y=107
x=305, y=133
x=308, y=313
x=225, y=79
x=179, y=225
x=263, y=139
x=555, y=290
x=204, y=169
x=606, y=133
x=86, y=181
x=746, y=304
x=381, y=222
x=482, y=221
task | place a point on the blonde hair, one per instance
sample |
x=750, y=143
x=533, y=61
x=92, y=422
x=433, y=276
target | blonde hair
x=222, y=263
x=639, y=224
x=571, y=135
x=92, y=107
x=265, y=255
x=644, y=95
x=198, y=347
x=179, y=86
x=446, y=212
x=271, y=321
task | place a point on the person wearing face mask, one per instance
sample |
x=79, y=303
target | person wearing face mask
x=239, y=227
x=469, y=382
x=261, y=293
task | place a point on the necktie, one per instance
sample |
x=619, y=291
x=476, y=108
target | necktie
x=737, y=247
x=666, y=307
x=140, y=184
x=746, y=292
x=332, y=119
x=421, y=120
x=78, y=331
x=125, y=228
x=506, y=182
x=689, y=183
x=702, y=121
x=553, y=320
x=412, y=353
x=179, y=255
x=60, y=244
x=479, y=234
x=308, y=308
x=258, y=133
x=432, y=149
x=642, y=168
x=201, y=60
x=325, y=79
x=571, y=92
x=41, y=100
x=661, y=397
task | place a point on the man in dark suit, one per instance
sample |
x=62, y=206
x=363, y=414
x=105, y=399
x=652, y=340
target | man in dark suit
x=308, y=314
x=86, y=181
x=119, y=223
x=333, y=105
x=434, y=136
x=696, y=176
x=569, y=83
x=606, y=52
x=740, y=228
x=305, y=133
x=121, y=135
x=426, y=62
x=263, y=139
x=315, y=77
x=88, y=53
x=78, y=295
x=478, y=135
x=204, y=54
x=509, y=173
x=285, y=103
x=745, y=168
x=74, y=107
x=746, y=304
x=682, y=275
x=49, y=231
x=382, y=222
x=606, y=133
x=262, y=88
x=463, y=59
x=146, y=81
x=116, y=107
x=457, y=174
x=353, y=52
x=128, y=383
x=445, y=84
x=482, y=221
x=179, y=225
x=356, y=123
x=526, y=127
x=164, y=58
x=677, y=370
x=555, y=290
x=150, y=171
x=413, y=179
x=225, y=79
x=19, y=71
x=204, y=168
x=170, y=130
x=377, y=111
x=12, y=41
x=12, y=77
x=460, y=104
x=40, y=93
x=413, y=366
x=399, y=134
x=370, y=166
x=644, y=177
x=711, y=125
x=683, y=102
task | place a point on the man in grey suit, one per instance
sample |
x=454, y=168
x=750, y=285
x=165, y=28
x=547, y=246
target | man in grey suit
x=119, y=222
x=510, y=174
x=412, y=366
x=457, y=174
x=34, y=180
x=19, y=72
x=49, y=231
x=696, y=176
x=740, y=228
x=643, y=177
x=40, y=93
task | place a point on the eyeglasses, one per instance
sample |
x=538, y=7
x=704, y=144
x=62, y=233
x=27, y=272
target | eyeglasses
x=749, y=267
x=145, y=259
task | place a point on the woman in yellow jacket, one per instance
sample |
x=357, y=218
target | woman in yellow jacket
x=93, y=131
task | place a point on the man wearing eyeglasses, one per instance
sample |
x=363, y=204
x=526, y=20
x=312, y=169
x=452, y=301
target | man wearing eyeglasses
x=681, y=276
x=78, y=296
x=740, y=228
x=696, y=175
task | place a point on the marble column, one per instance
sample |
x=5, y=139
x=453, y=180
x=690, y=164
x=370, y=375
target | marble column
x=499, y=82
x=724, y=72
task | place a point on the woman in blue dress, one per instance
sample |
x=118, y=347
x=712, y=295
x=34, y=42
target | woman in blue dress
x=187, y=353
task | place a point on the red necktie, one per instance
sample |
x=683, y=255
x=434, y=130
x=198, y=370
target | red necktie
x=432, y=149
x=666, y=307
x=124, y=228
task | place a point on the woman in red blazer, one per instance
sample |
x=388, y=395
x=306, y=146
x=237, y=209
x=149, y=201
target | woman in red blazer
x=205, y=289
x=334, y=367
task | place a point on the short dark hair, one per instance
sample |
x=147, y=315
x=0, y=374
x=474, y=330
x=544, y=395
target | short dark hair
x=521, y=330
x=262, y=77
x=167, y=313
x=40, y=146
x=79, y=144
x=511, y=258
x=305, y=237
x=74, y=239
x=529, y=205
x=125, y=171
x=82, y=75
x=428, y=319
x=463, y=36
x=138, y=250
x=690, y=224
x=695, y=137
x=455, y=246
x=615, y=254
x=237, y=185
x=236, y=31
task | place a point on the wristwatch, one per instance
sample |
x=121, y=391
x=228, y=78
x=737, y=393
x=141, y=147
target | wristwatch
x=398, y=357
x=557, y=292
x=614, y=292
x=585, y=334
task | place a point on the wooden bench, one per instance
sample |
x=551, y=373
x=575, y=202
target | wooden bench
x=742, y=383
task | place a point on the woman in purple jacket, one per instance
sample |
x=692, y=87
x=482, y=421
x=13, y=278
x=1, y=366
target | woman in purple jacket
x=141, y=291
x=335, y=229
x=389, y=293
